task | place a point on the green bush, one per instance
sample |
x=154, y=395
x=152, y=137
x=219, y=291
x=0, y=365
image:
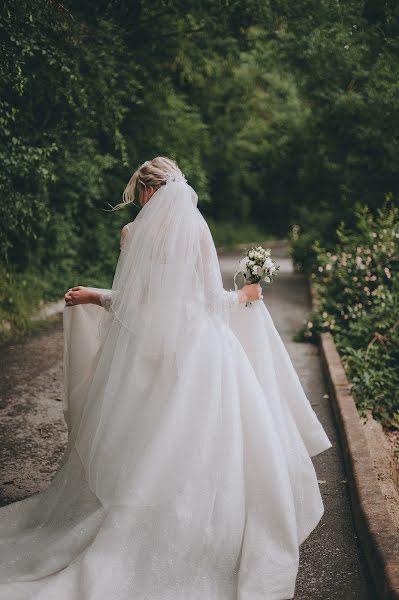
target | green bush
x=357, y=290
x=230, y=233
x=20, y=295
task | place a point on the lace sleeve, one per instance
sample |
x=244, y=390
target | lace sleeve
x=106, y=299
x=230, y=298
x=216, y=297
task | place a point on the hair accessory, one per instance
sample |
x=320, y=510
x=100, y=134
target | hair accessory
x=176, y=177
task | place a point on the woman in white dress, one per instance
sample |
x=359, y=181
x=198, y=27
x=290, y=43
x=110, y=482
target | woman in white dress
x=187, y=474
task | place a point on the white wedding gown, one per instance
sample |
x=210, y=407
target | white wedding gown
x=188, y=473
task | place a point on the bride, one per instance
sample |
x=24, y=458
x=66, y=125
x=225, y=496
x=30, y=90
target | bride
x=187, y=474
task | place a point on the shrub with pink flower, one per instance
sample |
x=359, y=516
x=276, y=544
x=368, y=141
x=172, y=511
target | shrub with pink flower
x=357, y=289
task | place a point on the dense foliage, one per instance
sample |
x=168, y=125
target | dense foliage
x=357, y=288
x=279, y=113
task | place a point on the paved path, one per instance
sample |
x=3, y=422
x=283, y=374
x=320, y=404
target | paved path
x=33, y=436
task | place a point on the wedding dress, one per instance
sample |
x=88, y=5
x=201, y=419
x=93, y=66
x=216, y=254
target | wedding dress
x=187, y=474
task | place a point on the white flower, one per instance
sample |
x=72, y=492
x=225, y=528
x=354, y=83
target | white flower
x=268, y=264
x=267, y=279
x=243, y=263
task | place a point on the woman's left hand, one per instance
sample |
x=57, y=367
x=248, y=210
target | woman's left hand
x=250, y=292
x=81, y=295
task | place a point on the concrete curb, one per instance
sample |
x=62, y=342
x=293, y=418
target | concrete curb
x=376, y=531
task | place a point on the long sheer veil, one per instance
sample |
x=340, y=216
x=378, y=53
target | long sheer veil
x=167, y=278
x=158, y=274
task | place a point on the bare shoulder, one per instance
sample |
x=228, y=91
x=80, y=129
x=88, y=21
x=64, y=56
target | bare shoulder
x=125, y=231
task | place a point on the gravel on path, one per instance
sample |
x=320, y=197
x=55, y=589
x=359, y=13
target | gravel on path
x=32, y=428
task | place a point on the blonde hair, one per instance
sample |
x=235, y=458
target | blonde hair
x=152, y=173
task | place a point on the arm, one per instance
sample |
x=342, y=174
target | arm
x=217, y=298
x=84, y=295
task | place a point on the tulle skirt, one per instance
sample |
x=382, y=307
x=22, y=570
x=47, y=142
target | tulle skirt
x=185, y=478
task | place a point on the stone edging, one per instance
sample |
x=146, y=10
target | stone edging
x=375, y=529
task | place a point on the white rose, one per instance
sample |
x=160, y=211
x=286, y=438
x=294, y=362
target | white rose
x=267, y=279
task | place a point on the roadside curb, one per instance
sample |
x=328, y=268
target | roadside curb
x=375, y=528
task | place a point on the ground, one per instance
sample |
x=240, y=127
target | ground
x=33, y=434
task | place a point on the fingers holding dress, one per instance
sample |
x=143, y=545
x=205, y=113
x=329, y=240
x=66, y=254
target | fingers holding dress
x=81, y=295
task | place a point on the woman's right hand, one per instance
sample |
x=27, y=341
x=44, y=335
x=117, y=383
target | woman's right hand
x=250, y=292
x=81, y=295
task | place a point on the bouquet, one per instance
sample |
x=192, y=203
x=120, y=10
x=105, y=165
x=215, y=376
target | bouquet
x=257, y=266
